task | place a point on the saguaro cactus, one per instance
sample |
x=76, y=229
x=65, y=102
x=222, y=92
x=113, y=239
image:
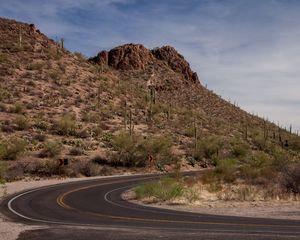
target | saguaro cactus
x=20, y=37
x=125, y=114
x=62, y=43
x=131, y=125
x=195, y=135
x=152, y=101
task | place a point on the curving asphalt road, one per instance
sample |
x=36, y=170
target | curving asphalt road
x=94, y=209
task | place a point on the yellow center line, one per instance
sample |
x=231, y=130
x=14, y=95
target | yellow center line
x=61, y=197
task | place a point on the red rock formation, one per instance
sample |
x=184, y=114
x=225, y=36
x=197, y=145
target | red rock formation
x=137, y=57
x=176, y=61
x=126, y=57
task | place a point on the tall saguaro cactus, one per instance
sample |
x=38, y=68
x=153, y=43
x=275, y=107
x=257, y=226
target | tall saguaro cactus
x=62, y=41
x=125, y=114
x=20, y=37
x=195, y=135
x=131, y=125
x=152, y=101
x=246, y=129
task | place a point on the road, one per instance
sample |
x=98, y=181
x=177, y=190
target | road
x=94, y=209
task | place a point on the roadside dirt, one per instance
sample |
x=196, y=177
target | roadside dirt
x=277, y=209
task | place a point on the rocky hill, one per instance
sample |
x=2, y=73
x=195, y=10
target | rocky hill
x=114, y=110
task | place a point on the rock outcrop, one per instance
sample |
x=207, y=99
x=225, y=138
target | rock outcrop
x=176, y=61
x=137, y=57
x=126, y=57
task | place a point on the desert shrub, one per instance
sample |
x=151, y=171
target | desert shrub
x=12, y=148
x=239, y=150
x=80, y=56
x=87, y=169
x=227, y=169
x=3, y=168
x=17, y=108
x=46, y=168
x=280, y=158
x=36, y=65
x=21, y=122
x=84, y=133
x=40, y=137
x=260, y=142
x=160, y=148
x=291, y=178
x=129, y=151
x=189, y=132
x=257, y=168
x=66, y=125
x=3, y=107
x=165, y=189
x=241, y=193
x=191, y=194
x=294, y=143
x=55, y=75
x=259, y=160
x=51, y=149
x=7, y=128
x=76, y=151
x=209, y=148
x=133, y=150
x=92, y=117
x=99, y=160
x=39, y=123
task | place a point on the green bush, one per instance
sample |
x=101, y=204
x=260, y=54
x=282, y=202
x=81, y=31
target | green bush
x=11, y=149
x=66, y=125
x=280, y=158
x=257, y=168
x=239, y=150
x=51, y=149
x=227, y=169
x=36, y=65
x=209, y=148
x=294, y=143
x=133, y=150
x=17, y=108
x=39, y=123
x=129, y=150
x=2, y=172
x=21, y=122
x=291, y=178
x=165, y=189
x=76, y=151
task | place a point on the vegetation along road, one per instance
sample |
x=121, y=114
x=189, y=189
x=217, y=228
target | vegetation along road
x=94, y=208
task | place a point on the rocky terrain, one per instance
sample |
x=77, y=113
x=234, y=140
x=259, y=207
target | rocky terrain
x=110, y=112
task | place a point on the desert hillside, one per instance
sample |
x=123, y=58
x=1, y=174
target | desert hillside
x=110, y=112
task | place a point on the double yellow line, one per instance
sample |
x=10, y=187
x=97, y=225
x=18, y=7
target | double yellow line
x=60, y=201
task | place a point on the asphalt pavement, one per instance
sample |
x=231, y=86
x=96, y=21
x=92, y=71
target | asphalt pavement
x=93, y=209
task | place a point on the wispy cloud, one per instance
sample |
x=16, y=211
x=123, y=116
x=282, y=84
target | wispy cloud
x=247, y=51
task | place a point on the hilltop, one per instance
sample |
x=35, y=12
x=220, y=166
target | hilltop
x=110, y=112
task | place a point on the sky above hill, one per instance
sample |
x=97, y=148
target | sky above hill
x=245, y=51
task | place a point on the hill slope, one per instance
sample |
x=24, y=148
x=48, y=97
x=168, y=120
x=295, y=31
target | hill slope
x=113, y=110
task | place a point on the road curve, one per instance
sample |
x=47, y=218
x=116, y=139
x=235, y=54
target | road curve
x=97, y=203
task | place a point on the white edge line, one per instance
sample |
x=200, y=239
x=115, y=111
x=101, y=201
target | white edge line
x=9, y=204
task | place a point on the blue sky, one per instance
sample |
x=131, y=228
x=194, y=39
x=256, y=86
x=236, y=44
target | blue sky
x=245, y=50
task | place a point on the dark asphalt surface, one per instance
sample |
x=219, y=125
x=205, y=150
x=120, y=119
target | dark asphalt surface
x=94, y=210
